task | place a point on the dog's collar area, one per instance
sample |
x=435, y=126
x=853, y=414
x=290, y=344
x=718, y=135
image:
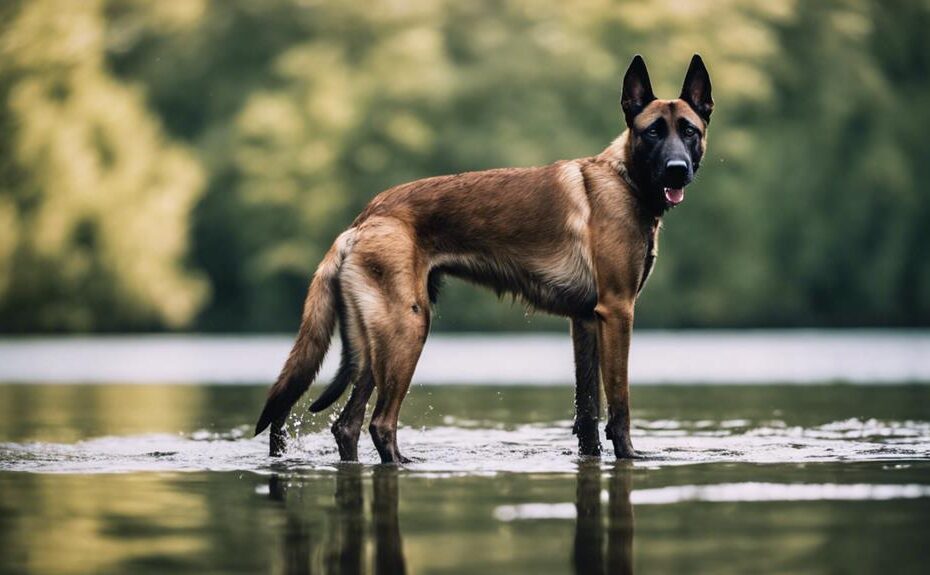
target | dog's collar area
x=634, y=188
x=625, y=176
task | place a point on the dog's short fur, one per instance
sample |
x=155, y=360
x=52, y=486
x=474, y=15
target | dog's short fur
x=575, y=238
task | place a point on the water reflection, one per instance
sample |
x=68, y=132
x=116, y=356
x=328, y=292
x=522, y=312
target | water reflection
x=345, y=556
x=590, y=555
x=352, y=538
x=344, y=543
x=389, y=548
x=195, y=492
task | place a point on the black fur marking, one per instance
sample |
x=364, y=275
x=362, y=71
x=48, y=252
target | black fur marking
x=347, y=428
x=656, y=131
x=683, y=125
x=434, y=285
x=277, y=442
x=637, y=90
x=587, y=387
x=650, y=260
x=696, y=90
x=651, y=153
x=646, y=155
x=284, y=401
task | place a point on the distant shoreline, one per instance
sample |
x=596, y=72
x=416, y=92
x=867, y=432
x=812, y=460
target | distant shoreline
x=658, y=357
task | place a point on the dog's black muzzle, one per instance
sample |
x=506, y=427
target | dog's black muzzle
x=677, y=174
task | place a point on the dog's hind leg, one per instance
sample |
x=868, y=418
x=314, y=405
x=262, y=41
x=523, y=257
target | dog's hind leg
x=386, y=278
x=347, y=427
x=394, y=359
x=396, y=348
x=587, y=387
x=277, y=439
x=396, y=319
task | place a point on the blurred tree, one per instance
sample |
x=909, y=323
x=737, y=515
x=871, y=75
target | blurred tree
x=94, y=201
x=846, y=158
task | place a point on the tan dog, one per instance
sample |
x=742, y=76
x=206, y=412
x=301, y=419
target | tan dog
x=575, y=238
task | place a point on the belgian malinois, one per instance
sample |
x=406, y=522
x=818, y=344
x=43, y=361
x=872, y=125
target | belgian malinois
x=576, y=238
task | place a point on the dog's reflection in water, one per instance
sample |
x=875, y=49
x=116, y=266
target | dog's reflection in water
x=592, y=554
x=603, y=539
x=344, y=546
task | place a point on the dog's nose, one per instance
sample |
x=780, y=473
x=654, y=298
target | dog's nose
x=677, y=173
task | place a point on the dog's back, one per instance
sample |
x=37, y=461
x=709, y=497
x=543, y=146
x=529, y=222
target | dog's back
x=520, y=230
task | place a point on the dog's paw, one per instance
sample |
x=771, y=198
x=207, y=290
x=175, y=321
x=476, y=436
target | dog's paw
x=629, y=454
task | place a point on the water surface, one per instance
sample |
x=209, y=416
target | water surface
x=736, y=479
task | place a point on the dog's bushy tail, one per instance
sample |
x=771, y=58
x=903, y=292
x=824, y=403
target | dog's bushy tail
x=313, y=337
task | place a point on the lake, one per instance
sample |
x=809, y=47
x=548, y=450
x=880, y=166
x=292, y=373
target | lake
x=767, y=478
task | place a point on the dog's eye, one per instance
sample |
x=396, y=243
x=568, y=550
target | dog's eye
x=652, y=132
x=690, y=131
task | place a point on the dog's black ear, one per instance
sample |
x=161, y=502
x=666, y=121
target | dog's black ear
x=637, y=91
x=696, y=89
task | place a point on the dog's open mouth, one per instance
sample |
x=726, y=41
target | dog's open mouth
x=674, y=196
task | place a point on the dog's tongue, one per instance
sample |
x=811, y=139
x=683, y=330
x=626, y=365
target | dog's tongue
x=674, y=195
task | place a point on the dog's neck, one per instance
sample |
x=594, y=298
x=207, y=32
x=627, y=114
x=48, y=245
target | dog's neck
x=619, y=156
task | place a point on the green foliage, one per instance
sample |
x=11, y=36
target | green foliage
x=808, y=210
x=94, y=200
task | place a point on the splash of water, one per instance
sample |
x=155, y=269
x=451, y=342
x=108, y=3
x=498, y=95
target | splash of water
x=481, y=448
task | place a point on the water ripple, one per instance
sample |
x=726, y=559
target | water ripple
x=476, y=449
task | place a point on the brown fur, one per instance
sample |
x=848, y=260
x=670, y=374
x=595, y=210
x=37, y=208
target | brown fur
x=575, y=238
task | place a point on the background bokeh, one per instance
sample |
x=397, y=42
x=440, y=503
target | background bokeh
x=183, y=164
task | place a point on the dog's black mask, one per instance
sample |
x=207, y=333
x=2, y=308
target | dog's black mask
x=667, y=138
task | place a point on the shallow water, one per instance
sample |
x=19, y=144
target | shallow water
x=736, y=479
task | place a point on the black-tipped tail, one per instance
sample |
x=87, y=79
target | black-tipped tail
x=276, y=406
x=302, y=364
x=264, y=420
x=313, y=338
x=292, y=384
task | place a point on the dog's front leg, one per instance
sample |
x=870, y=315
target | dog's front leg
x=587, y=387
x=615, y=327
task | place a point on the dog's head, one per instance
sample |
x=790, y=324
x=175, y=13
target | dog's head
x=667, y=137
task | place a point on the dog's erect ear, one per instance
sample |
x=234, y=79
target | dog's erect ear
x=696, y=89
x=637, y=91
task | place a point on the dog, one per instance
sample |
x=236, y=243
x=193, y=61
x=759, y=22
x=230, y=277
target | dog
x=577, y=238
